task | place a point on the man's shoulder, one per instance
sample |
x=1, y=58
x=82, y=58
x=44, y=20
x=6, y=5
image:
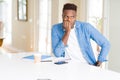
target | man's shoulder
x=82, y=23
x=57, y=25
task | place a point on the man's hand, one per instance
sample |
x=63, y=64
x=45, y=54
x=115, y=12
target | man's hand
x=67, y=25
x=98, y=63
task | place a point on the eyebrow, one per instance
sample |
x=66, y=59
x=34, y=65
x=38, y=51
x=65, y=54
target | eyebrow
x=68, y=16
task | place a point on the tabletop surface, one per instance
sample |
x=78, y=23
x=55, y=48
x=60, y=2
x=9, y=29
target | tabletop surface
x=14, y=67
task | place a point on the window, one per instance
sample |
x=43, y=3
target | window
x=45, y=26
x=5, y=18
x=95, y=13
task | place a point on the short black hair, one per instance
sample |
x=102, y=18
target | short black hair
x=70, y=6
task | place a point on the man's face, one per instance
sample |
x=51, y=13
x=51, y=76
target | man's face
x=70, y=16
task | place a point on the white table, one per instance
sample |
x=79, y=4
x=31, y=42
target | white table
x=16, y=68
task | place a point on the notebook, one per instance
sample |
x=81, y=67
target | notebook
x=44, y=58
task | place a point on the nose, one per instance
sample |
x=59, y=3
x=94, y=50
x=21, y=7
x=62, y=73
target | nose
x=67, y=19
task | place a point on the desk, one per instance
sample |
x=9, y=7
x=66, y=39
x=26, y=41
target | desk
x=16, y=68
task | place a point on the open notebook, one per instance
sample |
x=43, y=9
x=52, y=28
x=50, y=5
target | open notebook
x=48, y=58
x=44, y=58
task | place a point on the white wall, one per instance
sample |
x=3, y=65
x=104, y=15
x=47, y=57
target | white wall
x=23, y=32
x=114, y=31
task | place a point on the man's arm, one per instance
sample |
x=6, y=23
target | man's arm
x=67, y=27
x=59, y=44
x=58, y=47
x=101, y=41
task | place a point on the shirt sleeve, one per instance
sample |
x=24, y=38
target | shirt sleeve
x=58, y=47
x=101, y=41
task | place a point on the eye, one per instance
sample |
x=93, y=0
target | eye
x=72, y=16
x=66, y=17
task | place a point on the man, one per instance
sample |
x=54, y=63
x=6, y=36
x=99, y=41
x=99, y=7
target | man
x=72, y=38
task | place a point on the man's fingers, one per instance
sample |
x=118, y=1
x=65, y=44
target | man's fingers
x=67, y=23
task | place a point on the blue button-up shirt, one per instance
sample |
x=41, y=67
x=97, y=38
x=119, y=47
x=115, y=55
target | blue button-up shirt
x=84, y=32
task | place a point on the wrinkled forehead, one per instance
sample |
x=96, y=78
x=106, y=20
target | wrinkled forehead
x=69, y=12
